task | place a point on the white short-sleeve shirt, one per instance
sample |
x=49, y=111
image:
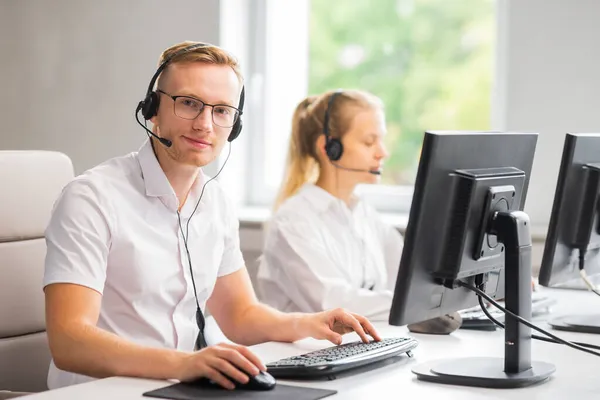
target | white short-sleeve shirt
x=115, y=230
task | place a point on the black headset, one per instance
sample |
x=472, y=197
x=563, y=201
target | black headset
x=149, y=106
x=333, y=146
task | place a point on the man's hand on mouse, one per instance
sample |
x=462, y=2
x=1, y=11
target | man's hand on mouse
x=220, y=362
x=332, y=324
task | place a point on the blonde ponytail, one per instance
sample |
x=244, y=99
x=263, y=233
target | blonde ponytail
x=301, y=166
x=307, y=125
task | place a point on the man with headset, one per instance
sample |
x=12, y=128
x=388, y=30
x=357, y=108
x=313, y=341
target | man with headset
x=128, y=270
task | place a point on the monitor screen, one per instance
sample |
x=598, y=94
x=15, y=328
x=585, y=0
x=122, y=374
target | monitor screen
x=574, y=223
x=443, y=238
x=571, y=257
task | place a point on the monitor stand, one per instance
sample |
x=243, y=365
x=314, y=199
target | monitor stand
x=585, y=323
x=577, y=283
x=589, y=323
x=516, y=368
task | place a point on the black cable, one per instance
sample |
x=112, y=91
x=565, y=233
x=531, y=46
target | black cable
x=185, y=237
x=481, y=293
x=187, y=227
x=201, y=342
x=200, y=321
x=544, y=339
x=581, y=258
x=188, y=257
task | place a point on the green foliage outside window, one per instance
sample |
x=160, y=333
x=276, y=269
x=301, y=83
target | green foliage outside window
x=430, y=61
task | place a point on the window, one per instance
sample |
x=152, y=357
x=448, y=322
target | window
x=430, y=61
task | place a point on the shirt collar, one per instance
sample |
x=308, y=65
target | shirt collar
x=156, y=182
x=321, y=199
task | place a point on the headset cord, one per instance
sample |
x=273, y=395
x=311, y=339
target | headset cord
x=200, y=320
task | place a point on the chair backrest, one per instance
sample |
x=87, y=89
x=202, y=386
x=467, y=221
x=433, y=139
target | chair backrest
x=30, y=183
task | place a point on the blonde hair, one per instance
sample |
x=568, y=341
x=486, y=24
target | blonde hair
x=307, y=125
x=208, y=54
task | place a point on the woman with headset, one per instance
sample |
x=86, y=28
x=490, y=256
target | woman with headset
x=325, y=247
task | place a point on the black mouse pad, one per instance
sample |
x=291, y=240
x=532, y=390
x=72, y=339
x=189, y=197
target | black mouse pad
x=186, y=391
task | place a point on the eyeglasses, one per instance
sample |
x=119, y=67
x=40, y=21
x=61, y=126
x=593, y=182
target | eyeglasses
x=189, y=108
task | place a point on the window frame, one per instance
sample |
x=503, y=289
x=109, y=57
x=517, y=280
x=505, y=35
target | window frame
x=262, y=19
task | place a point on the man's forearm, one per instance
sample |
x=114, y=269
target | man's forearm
x=260, y=323
x=91, y=351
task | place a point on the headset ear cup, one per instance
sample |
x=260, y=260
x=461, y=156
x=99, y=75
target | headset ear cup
x=235, y=131
x=150, y=105
x=334, y=149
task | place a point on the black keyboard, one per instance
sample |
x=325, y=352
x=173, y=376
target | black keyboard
x=340, y=358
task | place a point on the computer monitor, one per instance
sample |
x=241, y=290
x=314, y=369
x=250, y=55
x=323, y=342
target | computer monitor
x=466, y=226
x=574, y=228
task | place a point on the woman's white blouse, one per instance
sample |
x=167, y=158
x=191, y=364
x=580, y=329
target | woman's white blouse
x=321, y=254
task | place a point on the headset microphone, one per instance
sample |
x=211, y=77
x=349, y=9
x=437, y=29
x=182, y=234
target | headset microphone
x=165, y=142
x=374, y=172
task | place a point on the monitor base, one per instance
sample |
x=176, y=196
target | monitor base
x=585, y=323
x=485, y=372
x=576, y=284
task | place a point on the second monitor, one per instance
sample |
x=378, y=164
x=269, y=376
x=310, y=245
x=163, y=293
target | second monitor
x=571, y=257
x=467, y=232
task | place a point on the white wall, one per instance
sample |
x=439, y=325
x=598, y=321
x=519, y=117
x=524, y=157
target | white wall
x=73, y=71
x=552, y=83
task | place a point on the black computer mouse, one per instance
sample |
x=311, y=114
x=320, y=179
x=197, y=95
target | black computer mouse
x=262, y=381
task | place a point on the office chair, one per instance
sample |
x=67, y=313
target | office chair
x=30, y=182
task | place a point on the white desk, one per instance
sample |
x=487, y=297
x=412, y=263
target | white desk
x=576, y=375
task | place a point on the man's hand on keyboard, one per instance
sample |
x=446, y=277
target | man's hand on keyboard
x=332, y=324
